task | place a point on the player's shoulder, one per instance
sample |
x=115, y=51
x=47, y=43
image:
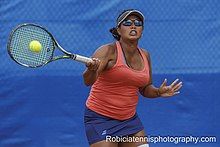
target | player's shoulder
x=146, y=52
x=108, y=48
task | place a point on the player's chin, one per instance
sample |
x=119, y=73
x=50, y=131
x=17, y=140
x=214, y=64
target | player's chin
x=134, y=38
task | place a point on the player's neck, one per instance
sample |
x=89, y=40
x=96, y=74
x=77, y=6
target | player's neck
x=128, y=46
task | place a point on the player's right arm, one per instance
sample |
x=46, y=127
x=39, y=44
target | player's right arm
x=100, y=58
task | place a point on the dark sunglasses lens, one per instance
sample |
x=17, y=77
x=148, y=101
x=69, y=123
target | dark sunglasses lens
x=127, y=23
x=138, y=23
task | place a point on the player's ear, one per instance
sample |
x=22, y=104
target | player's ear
x=118, y=30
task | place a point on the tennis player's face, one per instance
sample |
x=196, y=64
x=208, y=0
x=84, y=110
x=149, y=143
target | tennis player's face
x=131, y=28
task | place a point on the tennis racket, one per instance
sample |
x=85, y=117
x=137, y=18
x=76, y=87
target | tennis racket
x=33, y=46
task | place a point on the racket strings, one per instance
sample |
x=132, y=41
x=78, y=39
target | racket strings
x=19, y=46
x=20, y=49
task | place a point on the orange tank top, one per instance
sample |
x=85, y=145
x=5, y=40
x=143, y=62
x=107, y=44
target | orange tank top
x=115, y=92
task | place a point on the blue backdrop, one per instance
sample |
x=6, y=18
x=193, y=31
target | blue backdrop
x=44, y=107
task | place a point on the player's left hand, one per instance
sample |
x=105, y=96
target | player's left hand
x=171, y=90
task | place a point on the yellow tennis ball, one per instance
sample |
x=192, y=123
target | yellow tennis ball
x=35, y=46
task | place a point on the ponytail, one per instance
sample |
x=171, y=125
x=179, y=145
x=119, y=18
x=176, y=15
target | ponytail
x=115, y=33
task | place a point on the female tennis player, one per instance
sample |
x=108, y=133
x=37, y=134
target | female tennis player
x=119, y=71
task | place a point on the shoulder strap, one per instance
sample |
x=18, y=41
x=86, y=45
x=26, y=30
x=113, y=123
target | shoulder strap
x=143, y=56
x=120, y=58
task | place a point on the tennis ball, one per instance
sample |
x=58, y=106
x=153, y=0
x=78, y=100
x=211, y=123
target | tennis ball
x=35, y=46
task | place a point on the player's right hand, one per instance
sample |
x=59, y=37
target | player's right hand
x=93, y=65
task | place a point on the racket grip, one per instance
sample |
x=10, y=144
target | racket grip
x=82, y=59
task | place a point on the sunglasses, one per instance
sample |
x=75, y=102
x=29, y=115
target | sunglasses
x=129, y=22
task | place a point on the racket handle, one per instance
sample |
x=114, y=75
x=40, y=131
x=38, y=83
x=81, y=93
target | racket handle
x=82, y=59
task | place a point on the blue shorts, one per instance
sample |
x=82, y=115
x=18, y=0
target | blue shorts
x=97, y=126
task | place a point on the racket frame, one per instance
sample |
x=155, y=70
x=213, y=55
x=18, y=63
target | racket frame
x=67, y=55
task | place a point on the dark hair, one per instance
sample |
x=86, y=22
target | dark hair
x=115, y=33
x=114, y=29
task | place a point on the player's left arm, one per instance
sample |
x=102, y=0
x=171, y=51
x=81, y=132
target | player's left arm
x=150, y=91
